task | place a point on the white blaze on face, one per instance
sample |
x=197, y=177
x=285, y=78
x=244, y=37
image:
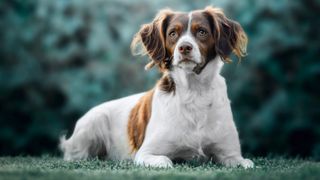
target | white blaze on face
x=195, y=55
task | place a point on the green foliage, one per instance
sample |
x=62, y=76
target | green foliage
x=56, y=168
x=60, y=58
x=275, y=98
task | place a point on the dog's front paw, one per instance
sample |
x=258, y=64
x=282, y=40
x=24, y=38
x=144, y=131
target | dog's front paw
x=234, y=162
x=246, y=163
x=160, y=161
x=155, y=161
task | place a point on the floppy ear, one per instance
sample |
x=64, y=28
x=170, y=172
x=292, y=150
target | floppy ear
x=228, y=34
x=152, y=38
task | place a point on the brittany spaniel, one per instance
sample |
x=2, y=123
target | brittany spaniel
x=187, y=114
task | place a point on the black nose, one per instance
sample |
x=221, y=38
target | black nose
x=185, y=48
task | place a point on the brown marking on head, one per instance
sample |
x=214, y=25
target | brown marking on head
x=138, y=120
x=152, y=37
x=228, y=34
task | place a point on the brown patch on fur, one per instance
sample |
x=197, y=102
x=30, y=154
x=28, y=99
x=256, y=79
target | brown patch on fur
x=167, y=84
x=141, y=113
x=138, y=120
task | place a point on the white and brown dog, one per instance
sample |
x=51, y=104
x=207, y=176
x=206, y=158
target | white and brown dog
x=187, y=114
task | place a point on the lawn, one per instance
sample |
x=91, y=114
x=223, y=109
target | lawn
x=47, y=167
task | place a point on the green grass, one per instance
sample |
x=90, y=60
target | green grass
x=55, y=168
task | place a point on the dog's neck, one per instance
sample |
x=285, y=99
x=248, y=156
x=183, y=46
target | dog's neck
x=185, y=79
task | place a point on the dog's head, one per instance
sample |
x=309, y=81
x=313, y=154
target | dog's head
x=190, y=40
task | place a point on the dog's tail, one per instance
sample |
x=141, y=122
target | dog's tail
x=63, y=143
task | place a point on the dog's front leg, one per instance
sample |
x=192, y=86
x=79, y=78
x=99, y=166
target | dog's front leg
x=153, y=154
x=228, y=152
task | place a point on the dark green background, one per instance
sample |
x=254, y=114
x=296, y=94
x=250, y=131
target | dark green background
x=59, y=58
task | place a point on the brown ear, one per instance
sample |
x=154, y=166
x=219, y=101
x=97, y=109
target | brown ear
x=228, y=34
x=152, y=38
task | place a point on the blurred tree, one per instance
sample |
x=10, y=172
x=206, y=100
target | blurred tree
x=274, y=96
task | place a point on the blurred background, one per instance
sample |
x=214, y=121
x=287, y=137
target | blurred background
x=59, y=58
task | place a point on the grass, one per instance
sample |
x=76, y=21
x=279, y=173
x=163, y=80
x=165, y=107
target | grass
x=47, y=167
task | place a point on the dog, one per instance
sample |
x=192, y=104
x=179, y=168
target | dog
x=187, y=114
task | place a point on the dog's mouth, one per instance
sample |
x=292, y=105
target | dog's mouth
x=187, y=64
x=187, y=61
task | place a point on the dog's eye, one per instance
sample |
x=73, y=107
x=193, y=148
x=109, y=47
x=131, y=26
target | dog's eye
x=173, y=34
x=202, y=33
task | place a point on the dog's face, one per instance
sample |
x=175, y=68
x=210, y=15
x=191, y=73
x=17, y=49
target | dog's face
x=190, y=40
